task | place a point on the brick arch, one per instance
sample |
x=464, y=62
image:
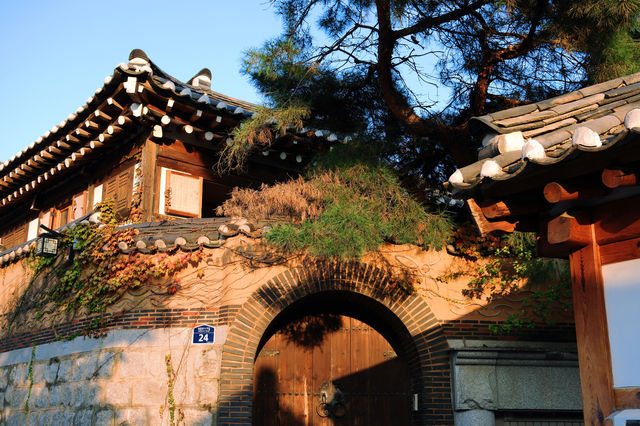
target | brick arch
x=421, y=340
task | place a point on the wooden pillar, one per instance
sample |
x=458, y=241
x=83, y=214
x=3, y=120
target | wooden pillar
x=594, y=355
x=149, y=164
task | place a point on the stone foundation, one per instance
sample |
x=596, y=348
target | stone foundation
x=119, y=378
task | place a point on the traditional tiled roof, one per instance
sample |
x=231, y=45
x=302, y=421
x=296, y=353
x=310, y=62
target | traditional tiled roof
x=183, y=234
x=138, y=92
x=189, y=234
x=517, y=142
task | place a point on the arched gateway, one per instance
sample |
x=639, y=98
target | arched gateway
x=357, y=290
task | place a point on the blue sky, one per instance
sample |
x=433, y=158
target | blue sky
x=54, y=55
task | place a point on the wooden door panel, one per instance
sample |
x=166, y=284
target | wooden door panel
x=350, y=362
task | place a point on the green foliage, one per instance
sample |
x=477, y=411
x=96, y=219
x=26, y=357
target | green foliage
x=170, y=381
x=259, y=131
x=365, y=205
x=98, y=275
x=514, y=263
x=30, y=377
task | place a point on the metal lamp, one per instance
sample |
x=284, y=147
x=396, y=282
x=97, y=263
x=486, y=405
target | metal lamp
x=47, y=244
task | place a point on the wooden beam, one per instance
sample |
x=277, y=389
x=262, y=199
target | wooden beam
x=555, y=192
x=512, y=207
x=627, y=398
x=573, y=232
x=615, y=178
x=485, y=226
x=594, y=355
x=617, y=221
x=149, y=164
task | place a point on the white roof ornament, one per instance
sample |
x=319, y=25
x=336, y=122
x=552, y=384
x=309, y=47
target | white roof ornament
x=488, y=139
x=221, y=105
x=456, y=177
x=169, y=85
x=490, y=169
x=238, y=110
x=204, y=99
x=510, y=142
x=585, y=137
x=138, y=57
x=533, y=150
x=202, y=79
x=632, y=119
x=185, y=92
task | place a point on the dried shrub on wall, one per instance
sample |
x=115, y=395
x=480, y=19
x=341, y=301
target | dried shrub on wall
x=294, y=201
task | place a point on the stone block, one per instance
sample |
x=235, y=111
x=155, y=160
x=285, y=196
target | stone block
x=104, y=418
x=55, y=397
x=16, y=419
x=83, y=418
x=185, y=390
x=66, y=393
x=131, y=416
x=117, y=393
x=207, y=363
x=529, y=387
x=474, y=418
x=64, y=371
x=155, y=365
x=38, y=372
x=78, y=394
x=32, y=419
x=198, y=417
x=44, y=419
x=475, y=387
x=51, y=371
x=83, y=367
x=149, y=392
x=39, y=396
x=4, y=377
x=209, y=392
x=93, y=394
x=19, y=398
x=105, y=364
x=18, y=373
x=8, y=395
x=62, y=418
x=132, y=364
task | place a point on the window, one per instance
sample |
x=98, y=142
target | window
x=183, y=194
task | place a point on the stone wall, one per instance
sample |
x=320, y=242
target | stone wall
x=121, y=377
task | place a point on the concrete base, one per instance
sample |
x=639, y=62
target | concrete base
x=474, y=418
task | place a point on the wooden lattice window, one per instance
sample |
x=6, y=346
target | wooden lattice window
x=183, y=195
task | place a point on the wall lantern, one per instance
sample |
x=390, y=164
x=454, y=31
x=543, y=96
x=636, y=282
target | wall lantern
x=47, y=244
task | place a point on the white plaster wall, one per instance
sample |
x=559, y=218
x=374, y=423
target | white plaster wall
x=622, y=301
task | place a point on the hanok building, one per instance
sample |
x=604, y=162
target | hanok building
x=567, y=168
x=241, y=335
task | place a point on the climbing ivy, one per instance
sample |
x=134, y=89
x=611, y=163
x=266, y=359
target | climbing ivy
x=98, y=274
x=511, y=261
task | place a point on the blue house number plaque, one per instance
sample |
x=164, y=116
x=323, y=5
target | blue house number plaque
x=203, y=334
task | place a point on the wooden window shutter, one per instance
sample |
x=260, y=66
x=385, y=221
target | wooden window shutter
x=125, y=189
x=119, y=188
x=16, y=236
x=184, y=194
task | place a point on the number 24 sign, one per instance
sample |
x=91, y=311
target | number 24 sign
x=203, y=334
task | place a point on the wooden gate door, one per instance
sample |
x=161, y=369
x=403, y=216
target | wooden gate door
x=330, y=370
